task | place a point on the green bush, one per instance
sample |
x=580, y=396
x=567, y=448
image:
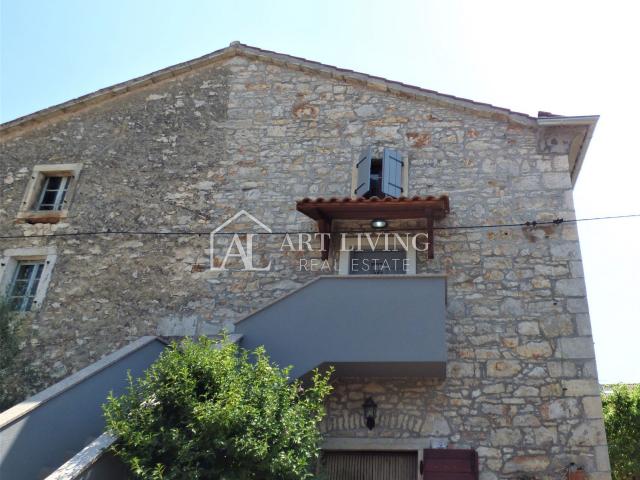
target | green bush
x=622, y=422
x=208, y=410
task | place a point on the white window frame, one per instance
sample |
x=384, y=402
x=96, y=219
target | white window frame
x=352, y=243
x=61, y=193
x=29, y=208
x=33, y=281
x=9, y=263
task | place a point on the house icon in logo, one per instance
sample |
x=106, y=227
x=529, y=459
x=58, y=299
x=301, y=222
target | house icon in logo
x=236, y=248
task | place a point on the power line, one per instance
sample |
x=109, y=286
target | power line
x=535, y=223
x=611, y=217
x=530, y=224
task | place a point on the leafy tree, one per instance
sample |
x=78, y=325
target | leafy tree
x=9, y=343
x=9, y=348
x=207, y=410
x=18, y=378
x=622, y=422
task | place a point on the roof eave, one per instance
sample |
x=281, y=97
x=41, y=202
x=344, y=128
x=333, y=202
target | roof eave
x=381, y=83
x=102, y=94
x=588, y=121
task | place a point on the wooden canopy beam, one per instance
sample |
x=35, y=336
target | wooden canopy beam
x=324, y=226
x=430, y=235
x=370, y=208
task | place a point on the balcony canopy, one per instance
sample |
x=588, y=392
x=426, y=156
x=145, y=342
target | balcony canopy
x=325, y=211
x=369, y=208
x=380, y=326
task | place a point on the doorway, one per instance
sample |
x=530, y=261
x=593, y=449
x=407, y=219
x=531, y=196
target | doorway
x=378, y=262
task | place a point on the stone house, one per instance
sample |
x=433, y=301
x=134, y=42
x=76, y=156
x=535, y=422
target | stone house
x=476, y=353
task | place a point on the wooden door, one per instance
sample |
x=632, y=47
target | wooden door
x=449, y=464
x=347, y=465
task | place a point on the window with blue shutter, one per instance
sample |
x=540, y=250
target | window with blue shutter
x=392, y=164
x=379, y=177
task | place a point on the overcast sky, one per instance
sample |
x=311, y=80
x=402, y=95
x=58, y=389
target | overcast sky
x=569, y=58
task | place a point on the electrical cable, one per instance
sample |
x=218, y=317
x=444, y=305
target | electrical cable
x=530, y=224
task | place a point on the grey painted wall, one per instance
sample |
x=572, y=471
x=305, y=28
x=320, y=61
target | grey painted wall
x=43, y=439
x=376, y=325
x=107, y=467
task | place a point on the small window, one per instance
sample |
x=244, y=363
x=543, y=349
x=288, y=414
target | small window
x=381, y=177
x=375, y=183
x=23, y=287
x=49, y=193
x=52, y=194
x=25, y=274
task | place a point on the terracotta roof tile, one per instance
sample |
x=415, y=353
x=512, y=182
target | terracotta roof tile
x=372, y=199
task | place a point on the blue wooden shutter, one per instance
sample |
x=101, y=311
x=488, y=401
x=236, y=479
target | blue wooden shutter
x=392, y=172
x=363, y=166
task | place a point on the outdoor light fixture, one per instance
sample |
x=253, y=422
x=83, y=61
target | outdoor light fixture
x=370, y=409
x=378, y=223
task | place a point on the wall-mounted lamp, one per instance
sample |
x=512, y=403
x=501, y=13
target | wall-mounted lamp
x=370, y=409
x=378, y=223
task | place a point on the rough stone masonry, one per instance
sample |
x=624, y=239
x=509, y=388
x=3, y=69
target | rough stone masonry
x=184, y=153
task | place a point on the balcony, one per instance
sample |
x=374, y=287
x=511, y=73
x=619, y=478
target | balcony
x=379, y=326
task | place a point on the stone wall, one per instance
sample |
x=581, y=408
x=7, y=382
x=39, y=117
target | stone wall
x=186, y=154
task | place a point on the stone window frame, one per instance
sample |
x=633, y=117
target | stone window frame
x=9, y=263
x=405, y=174
x=352, y=241
x=26, y=212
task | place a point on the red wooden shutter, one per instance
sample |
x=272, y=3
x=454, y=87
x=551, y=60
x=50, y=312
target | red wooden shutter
x=449, y=464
